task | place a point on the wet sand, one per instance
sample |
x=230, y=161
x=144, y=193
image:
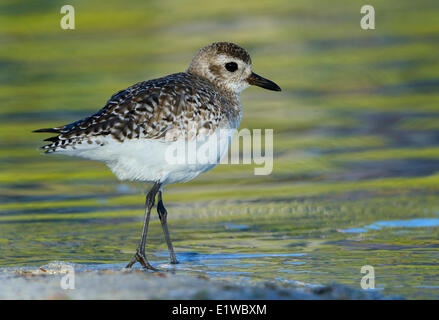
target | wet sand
x=115, y=282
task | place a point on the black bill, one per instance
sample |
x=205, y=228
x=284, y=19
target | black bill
x=257, y=80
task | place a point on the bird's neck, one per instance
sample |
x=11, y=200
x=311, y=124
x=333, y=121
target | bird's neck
x=232, y=96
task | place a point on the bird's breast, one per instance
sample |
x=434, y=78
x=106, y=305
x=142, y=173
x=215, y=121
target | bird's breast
x=169, y=161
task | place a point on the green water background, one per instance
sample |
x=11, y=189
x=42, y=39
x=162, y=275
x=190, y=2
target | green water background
x=356, y=135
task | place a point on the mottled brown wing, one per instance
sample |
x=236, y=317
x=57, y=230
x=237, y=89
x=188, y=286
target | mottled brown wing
x=145, y=110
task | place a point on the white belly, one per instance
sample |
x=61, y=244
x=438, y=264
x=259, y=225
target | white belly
x=158, y=160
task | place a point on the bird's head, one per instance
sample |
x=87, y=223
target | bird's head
x=229, y=67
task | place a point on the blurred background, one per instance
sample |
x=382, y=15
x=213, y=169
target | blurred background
x=356, y=131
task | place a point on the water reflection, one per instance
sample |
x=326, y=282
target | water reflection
x=413, y=223
x=356, y=148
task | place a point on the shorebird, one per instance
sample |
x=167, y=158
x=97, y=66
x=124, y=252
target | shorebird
x=137, y=127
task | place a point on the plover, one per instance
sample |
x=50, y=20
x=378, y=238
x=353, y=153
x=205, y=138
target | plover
x=134, y=130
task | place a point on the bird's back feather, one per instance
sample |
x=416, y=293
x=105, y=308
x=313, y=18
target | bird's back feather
x=172, y=105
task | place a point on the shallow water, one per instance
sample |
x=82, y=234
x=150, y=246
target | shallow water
x=355, y=179
x=413, y=223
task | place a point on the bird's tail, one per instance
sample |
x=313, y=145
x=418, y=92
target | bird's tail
x=54, y=141
x=51, y=130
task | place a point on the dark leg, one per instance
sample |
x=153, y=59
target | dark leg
x=140, y=252
x=163, y=214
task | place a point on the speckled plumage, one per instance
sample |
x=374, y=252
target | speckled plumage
x=137, y=127
x=164, y=108
x=141, y=131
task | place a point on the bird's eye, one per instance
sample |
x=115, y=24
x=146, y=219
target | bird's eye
x=231, y=66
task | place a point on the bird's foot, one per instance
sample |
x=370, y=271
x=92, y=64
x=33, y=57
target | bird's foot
x=174, y=260
x=140, y=257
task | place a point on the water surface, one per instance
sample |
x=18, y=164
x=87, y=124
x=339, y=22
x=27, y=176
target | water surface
x=356, y=170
